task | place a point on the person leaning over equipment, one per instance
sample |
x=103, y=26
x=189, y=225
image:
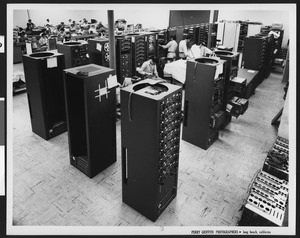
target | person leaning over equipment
x=183, y=52
x=204, y=51
x=171, y=46
x=149, y=67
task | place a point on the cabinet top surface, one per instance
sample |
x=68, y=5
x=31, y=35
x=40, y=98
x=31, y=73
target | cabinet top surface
x=247, y=74
x=90, y=69
x=43, y=55
x=152, y=89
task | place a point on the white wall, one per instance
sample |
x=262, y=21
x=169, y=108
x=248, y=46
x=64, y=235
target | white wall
x=160, y=20
x=266, y=17
x=20, y=18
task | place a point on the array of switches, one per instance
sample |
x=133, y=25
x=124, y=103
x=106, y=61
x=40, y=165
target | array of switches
x=170, y=119
x=139, y=50
x=218, y=93
x=263, y=54
x=151, y=45
x=277, y=161
x=243, y=34
x=268, y=197
x=203, y=33
x=125, y=58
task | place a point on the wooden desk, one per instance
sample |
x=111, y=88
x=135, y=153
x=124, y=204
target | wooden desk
x=252, y=77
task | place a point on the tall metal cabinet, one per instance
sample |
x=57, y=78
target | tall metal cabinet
x=98, y=49
x=232, y=61
x=75, y=53
x=45, y=92
x=138, y=51
x=91, y=116
x=204, y=101
x=123, y=57
x=150, y=133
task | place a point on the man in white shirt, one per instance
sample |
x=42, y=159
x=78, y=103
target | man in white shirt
x=171, y=46
x=149, y=67
x=204, y=51
x=48, y=23
x=43, y=41
x=183, y=52
x=92, y=29
x=199, y=51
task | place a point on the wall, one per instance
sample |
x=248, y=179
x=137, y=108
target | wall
x=181, y=18
x=159, y=20
x=20, y=18
x=266, y=17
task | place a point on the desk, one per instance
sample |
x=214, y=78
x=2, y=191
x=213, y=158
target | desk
x=84, y=37
x=252, y=79
x=18, y=52
x=177, y=69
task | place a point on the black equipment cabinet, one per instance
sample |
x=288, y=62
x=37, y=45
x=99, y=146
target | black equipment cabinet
x=252, y=77
x=204, y=34
x=45, y=92
x=150, y=134
x=171, y=32
x=194, y=32
x=91, y=116
x=204, y=101
x=75, y=53
x=98, y=49
x=123, y=58
x=269, y=55
x=151, y=44
x=138, y=51
x=232, y=61
x=213, y=30
x=254, y=52
x=256, y=55
x=162, y=40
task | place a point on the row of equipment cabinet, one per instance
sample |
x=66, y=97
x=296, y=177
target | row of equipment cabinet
x=82, y=100
x=67, y=94
x=131, y=51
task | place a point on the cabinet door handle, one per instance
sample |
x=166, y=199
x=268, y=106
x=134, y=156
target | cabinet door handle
x=186, y=112
x=124, y=165
x=29, y=104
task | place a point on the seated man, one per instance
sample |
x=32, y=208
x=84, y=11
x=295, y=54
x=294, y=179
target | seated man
x=93, y=30
x=43, y=41
x=67, y=37
x=148, y=68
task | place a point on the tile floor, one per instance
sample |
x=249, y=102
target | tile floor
x=212, y=184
